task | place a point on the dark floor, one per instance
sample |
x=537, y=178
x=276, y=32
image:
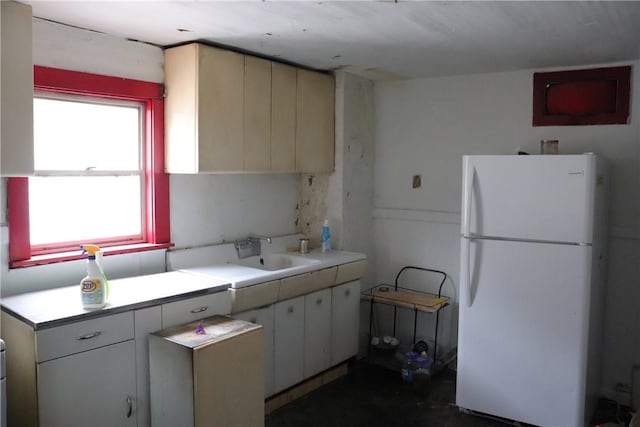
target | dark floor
x=371, y=396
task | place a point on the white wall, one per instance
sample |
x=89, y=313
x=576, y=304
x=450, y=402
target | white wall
x=221, y=208
x=69, y=48
x=353, y=184
x=204, y=209
x=425, y=126
x=345, y=196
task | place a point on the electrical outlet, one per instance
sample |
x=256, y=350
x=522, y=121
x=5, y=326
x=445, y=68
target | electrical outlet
x=416, y=182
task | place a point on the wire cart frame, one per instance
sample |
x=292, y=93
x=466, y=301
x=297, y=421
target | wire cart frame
x=409, y=298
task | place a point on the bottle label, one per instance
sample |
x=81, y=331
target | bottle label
x=92, y=291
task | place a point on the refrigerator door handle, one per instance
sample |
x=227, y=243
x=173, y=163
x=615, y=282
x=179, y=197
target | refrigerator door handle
x=468, y=194
x=465, y=272
x=465, y=249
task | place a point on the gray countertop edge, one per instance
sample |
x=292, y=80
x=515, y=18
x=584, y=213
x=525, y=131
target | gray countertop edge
x=107, y=311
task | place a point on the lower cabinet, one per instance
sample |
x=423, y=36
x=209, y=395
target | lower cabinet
x=146, y=321
x=210, y=379
x=264, y=317
x=307, y=334
x=289, y=342
x=345, y=321
x=92, y=372
x=93, y=388
x=317, y=332
x=95, y=372
x=76, y=374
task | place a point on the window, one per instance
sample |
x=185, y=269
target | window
x=596, y=96
x=99, y=160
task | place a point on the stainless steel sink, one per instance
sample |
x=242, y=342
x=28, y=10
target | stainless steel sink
x=275, y=262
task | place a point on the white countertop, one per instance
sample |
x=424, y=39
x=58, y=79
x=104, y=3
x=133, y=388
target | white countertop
x=239, y=276
x=55, y=306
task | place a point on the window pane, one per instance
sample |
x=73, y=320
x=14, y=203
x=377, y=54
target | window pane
x=64, y=209
x=77, y=136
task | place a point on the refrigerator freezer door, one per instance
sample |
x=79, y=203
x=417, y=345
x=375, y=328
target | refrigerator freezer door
x=548, y=198
x=522, y=342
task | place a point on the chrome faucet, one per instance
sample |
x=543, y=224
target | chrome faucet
x=265, y=238
x=250, y=246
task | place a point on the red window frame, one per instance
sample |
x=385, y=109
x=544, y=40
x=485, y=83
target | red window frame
x=21, y=253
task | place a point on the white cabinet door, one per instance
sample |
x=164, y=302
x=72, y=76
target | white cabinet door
x=204, y=109
x=220, y=110
x=95, y=388
x=283, y=117
x=315, y=128
x=345, y=321
x=317, y=332
x=289, y=343
x=257, y=114
x=264, y=317
x=147, y=320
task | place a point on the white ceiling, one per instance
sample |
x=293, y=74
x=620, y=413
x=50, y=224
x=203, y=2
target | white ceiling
x=381, y=40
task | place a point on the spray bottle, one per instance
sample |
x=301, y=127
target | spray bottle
x=94, y=288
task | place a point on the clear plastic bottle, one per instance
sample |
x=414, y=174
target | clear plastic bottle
x=326, y=237
x=409, y=366
x=422, y=373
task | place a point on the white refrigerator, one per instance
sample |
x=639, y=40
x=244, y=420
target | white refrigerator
x=532, y=268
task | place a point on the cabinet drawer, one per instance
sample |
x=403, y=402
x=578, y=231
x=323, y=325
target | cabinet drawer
x=351, y=271
x=188, y=310
x=294, y=286
x=82, y=336
x=306, y=283
x=321, y=279
x=254, y=296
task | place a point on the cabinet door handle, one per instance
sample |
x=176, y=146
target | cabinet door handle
x=129, y=406
x=89, y=336
x=199, y=310
x=319, y=301
x=290, y=310
x=347, y=292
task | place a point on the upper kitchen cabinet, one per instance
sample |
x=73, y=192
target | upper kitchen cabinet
x=257, y=114
x=229, y=112
x=314, y=122
x=283, y=117
x=16, y=91
x=204, y=107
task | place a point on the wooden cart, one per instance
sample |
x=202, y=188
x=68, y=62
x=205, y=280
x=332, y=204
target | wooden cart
x=410, y=298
